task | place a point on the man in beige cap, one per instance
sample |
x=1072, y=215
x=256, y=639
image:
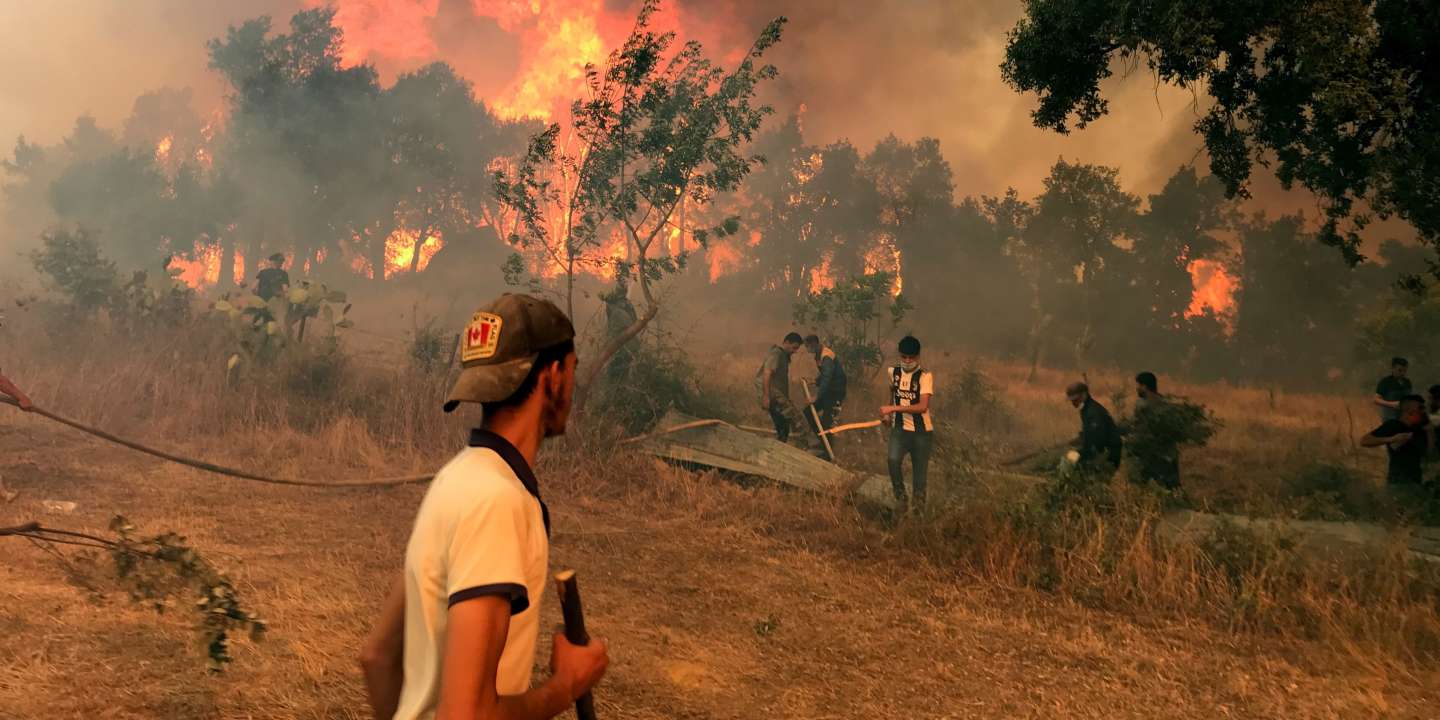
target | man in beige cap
x=456, y=639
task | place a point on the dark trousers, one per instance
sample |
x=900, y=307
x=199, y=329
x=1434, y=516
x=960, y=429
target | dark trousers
x=788, y=418
x=918, y=446
x=828, y=411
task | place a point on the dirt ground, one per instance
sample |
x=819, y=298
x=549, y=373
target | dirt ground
x=715, y=606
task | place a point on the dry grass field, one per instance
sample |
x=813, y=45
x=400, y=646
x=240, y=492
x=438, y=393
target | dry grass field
x=719, y=600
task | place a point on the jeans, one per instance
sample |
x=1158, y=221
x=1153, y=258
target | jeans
x=918, y=446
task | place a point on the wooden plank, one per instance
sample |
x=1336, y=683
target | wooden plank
x=727, y=447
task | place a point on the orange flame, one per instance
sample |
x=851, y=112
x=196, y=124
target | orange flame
x=822, y=277
x=400, y=251
x=162, y=149
x=202, y=268
x=723, y=259
x=1214, y=288
x=885, y=257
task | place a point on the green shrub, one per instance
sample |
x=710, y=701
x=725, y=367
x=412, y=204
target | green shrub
x=853, y=316
x=656, y=376
x=71, y=263
x=430, y=347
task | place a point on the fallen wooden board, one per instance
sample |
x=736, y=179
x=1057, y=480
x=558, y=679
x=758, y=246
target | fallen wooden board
x=729, y=448
x=1317, y=538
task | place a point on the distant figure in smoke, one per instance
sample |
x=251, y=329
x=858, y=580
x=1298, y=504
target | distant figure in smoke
x=273, y=281
x=1161, y=464
x=912, y=431
x=1099, y=440
x=619, y=316
x=829, y=386
x=1392, y=388
x=773, y=384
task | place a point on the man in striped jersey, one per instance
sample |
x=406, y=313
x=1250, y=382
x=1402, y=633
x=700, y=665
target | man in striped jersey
x=912, y=429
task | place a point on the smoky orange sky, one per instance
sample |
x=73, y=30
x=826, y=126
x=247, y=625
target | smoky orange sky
x=860, y=70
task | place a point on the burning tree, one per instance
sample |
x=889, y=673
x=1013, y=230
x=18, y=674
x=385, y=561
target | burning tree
x=658, y=130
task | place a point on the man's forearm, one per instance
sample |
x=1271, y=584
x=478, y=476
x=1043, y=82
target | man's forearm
x=540, y=703
x=383, y=682
x=382, y=657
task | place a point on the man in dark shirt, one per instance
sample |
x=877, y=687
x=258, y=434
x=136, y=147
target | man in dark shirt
x=1099, y=441
x=272, y=281
x=830, y=385
x=1405, y=440
x=1391, y=388
x=1159, y=461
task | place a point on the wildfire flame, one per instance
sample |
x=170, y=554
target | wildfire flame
x=722, y=258
x=202, y=268
x=885, y=257
x=400, y=250
x=822, y=277
x=1214, y=289
x=162, y=149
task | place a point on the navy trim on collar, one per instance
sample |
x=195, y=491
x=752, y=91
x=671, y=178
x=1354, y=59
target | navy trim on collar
x=482, y=438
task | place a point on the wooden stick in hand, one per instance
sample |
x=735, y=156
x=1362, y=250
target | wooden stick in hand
x=569, y=591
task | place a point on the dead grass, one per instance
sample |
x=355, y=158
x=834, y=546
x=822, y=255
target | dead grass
x=719, y=601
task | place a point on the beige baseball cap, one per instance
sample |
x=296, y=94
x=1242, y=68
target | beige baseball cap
x=500, y=345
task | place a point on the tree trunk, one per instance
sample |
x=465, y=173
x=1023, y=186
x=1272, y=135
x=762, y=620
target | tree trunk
x=415, y=257
x=377, y=258
x=252, y=258
x=586, y=381
x=227, y=262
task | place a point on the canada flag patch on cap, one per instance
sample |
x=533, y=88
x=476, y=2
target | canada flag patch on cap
x=482, y=336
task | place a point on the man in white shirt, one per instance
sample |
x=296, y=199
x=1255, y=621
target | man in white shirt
x=912, y=429
x=456, y=639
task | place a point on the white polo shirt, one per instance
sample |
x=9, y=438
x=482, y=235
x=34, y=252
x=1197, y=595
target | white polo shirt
x=481, y=530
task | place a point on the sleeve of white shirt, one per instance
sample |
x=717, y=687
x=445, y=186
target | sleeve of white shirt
x=927, y=383
x=486, y=556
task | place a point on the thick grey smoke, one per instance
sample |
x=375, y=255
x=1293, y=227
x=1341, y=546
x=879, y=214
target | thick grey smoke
x=861, y=69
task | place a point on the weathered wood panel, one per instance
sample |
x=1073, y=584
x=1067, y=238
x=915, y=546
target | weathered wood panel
x=729, y=448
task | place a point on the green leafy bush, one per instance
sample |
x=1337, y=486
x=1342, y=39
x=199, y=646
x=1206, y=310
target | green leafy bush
x=854, y=316
x=658, y=376
x=72, y=264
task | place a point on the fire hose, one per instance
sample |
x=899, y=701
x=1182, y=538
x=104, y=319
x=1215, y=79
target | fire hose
x=212, y=467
